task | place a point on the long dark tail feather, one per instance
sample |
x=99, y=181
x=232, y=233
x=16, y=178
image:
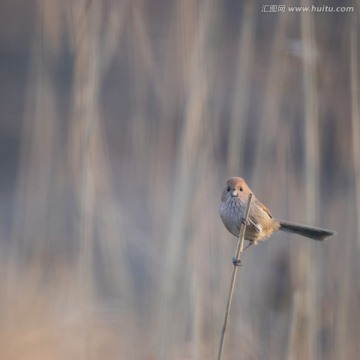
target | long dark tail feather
x=304, y=230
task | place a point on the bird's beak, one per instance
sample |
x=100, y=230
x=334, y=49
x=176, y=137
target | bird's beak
x=234, y=193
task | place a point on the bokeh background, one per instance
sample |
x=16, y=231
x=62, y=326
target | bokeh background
x=120, y=123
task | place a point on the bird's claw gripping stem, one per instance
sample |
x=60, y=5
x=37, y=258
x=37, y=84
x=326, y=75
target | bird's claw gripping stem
x=236, y=262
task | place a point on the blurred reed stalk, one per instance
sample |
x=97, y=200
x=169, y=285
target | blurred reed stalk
x=355, y=114
x=309, y=298
x=96, y=29
x=190, y=153
x=355, y=130
x=240, y=101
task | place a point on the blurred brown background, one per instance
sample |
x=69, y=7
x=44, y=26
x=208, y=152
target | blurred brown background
x=120, y=123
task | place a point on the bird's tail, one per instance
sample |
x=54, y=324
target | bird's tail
x=308, y=231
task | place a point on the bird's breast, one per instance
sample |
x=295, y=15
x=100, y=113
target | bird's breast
x=232, y=214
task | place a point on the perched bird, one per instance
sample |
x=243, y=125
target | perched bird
x=261, y=224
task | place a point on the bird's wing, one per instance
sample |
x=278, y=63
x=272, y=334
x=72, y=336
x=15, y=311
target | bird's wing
x=262, y=206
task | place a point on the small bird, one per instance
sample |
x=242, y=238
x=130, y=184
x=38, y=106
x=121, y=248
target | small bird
x=260, y=224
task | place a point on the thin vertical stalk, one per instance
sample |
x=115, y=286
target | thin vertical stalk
x=237, y=131
x=311, y=180
x=355, y=117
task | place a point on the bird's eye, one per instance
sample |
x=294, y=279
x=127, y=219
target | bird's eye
x=241, y=189
x=228, y=188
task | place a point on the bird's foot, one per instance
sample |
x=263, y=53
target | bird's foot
x=249, y=222
x=236, y=262
x=253, y=242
